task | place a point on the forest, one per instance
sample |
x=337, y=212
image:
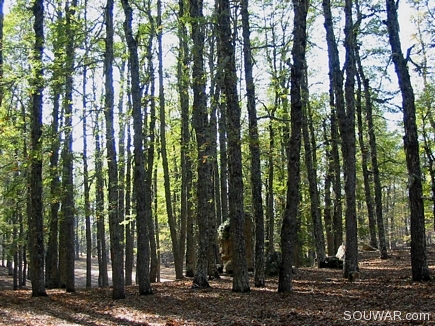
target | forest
x=249, y=152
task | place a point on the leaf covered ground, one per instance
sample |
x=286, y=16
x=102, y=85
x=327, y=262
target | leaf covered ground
x=385, y=295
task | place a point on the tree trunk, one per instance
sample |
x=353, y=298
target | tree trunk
x=129, y=235
x=346, y=120
x=200, y=123
x=86, y=185
x=235, y=180
x=293, y=147
x=143, y=245
x=310, y=163
x=364, y=165
x=186, y=161
x=67, y=230
x=115, y=228
x=178, y=260
x=337, y=104
x=420, y=271
x=254, y=148
x=103, y=278
x=36, y=218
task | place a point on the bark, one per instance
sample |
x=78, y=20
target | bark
x=346, y=120
x=293, y=147
x=86, y=187
x=254, y=148
x=67, y=230
x=420, y=271
x=103, y=278
x=200, y=124
x=36, y=218
x=235, y=180
x=310, y=163
x=143, y=245
x=129, y=235
x=122, y=157
x=365, y=153
x=327, y=213
x=115, y=228
x=270, y=212
x=337, y=104
x=186, y=161
x=178, y=257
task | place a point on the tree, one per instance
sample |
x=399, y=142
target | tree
x=235, y=180
x=254, y=147
x=200, y=123
x=35, y=219
x=420, y=271
x=143, y=247
x=293, y=149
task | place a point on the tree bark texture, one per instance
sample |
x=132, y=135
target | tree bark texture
x=420, y=271
x=293, y=147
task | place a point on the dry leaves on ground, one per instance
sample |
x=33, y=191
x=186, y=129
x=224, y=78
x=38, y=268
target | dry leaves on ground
x=320, y=297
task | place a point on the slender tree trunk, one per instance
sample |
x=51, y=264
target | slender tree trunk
x=290, y=222
x=36, y=218
x=270, y=212
x=103, y=278
x=235, y=181
x=86, y=185
x=365, y=152
x=310, y=163
x=337, y=104
x=254, y=147
x=200, y=123
x=129, y=237
x=143, y=244
x=186, y=161
x=178, y=258
x=329, y=178
x=420, y=271
x=346, y=120
x=115, y=228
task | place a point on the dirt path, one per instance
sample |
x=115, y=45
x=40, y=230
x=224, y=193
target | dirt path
x=167, y=274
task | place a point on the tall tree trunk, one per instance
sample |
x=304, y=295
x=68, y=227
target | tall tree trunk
x=289, y=225
x=143, y=244
x=270, y=211
x=235, y=180
x=67, y=230
x=129, y=236
x=254, y=148
x=115, y=228
x=86, y=186
x=178, y=258
x=346, y=120
x=337, y=104
x=103, y=279
x=186, y=161
x=121, y=152
x=327, y=214
x=310, y=163
x=36, y=218
x=420, y=271
x=200, y=123
x=365, y=152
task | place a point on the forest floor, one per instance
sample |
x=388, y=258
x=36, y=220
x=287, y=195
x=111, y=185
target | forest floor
x=385, y=295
